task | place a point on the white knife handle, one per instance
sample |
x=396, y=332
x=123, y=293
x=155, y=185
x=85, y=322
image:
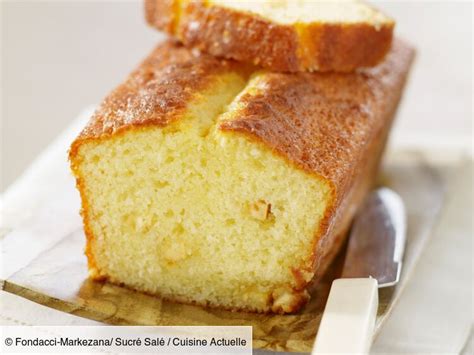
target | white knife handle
x=348, y=321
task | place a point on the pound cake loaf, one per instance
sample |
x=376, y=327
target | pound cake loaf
x=206, y=181
x=281, y=35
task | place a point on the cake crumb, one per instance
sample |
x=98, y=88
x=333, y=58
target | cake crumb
x=260, y=210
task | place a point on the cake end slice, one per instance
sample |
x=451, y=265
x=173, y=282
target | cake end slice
x=288, y=36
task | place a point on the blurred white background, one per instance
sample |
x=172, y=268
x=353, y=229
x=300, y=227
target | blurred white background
x=58, y=57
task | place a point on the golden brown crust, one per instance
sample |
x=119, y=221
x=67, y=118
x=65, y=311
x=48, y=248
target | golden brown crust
x=247, y=37
x=343, y=48
x=238, y=36
x=157, y=92
x=328, y=243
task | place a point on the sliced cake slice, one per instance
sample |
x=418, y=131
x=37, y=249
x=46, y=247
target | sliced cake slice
x=282, y=35
x=203, y=181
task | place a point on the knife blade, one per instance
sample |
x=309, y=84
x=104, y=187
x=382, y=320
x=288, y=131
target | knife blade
x=377, y=239
x=373, y=260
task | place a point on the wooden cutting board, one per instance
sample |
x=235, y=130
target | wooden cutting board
x=43, y=241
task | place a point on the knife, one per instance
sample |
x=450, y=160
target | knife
x=373, y=260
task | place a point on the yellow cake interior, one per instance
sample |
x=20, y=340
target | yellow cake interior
x=197, y=214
